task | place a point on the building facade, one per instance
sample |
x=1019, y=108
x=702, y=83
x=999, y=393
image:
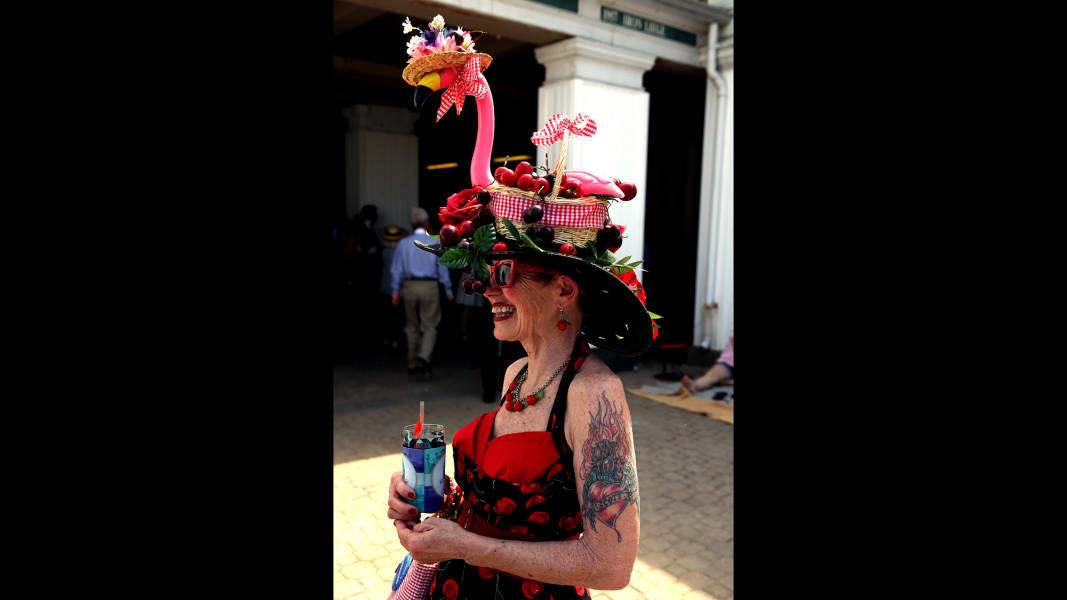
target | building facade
x=638, y=68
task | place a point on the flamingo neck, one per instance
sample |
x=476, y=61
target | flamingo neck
x=483, y=146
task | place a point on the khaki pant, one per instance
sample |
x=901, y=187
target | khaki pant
x=422, y=306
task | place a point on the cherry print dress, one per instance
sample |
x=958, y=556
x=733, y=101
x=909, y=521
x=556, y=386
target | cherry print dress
x=518, y=486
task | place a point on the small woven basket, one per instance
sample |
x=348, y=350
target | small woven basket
x=578, y=236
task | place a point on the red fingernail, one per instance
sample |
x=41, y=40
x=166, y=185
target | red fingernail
x=411, y=495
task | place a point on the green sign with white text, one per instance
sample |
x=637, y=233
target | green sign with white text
x=617, y=17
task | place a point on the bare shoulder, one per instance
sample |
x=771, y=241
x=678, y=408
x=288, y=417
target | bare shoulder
x=594, y=390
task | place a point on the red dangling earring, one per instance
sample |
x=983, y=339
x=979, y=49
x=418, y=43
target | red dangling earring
x=563, y=322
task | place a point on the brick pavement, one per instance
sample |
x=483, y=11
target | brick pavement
x=687, y=527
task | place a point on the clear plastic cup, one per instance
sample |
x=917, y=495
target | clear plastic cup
x=424, y=466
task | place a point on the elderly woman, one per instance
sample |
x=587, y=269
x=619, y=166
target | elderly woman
x=547, y=501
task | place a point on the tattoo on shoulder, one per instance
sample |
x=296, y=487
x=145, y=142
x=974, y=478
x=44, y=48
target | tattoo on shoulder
x=610, y=477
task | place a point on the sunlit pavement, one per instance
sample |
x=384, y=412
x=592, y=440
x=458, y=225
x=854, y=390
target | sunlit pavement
x=684, y=464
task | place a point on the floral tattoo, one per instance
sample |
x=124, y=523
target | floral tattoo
x=610, y=477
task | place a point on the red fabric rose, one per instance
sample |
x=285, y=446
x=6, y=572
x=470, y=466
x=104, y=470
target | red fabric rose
x=460, y=207
x=505, y=506
x=530, y=589
x=535, y=499
x=519, y=529
x=539, y=517
x=450, y=589
x=486, y=573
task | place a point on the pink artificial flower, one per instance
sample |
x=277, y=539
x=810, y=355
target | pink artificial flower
x=445, y=44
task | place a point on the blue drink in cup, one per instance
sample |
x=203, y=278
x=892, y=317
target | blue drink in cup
x=424, y=466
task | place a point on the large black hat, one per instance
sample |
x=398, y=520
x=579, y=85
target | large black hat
x=613, y=316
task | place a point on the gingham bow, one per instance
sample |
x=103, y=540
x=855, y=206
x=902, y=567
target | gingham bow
x=553, y=130
x=467, y=82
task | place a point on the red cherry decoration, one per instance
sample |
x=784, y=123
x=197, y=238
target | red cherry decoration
x=525, y=182
x=449, y=235
x=479, y=287
x=531, y=400
x=485, y=217
x=542, y=186
x=512, y=386
x=500, y=247
x=568, y=249
x=509, y=397
x=629, y=191
x=468, y=286
x=505, y=176
x=547, y=233
x=466, y=228
x=561, y=325
x=484, y=197
x=523, y=168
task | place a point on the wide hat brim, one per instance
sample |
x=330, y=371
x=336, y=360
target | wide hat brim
x=440, y=60
x=613, y=317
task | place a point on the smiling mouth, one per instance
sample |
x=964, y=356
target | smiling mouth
x=502, y=311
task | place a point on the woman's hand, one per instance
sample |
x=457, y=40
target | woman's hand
x=398, y=508
x=434, y=540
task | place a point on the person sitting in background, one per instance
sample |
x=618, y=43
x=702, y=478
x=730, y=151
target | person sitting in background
x=722, y=370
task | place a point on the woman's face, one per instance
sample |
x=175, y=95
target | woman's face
x=525, y=308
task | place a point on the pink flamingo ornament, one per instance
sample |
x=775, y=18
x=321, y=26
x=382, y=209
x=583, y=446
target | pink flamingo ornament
x=483, y=145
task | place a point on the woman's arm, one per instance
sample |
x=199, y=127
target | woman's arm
x=604, y=465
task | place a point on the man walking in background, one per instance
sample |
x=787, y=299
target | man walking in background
x=415, y=276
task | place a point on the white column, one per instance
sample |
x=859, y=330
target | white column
x=605, y=83
x=715, y=258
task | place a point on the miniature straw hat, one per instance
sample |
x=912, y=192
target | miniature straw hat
x=434, y=62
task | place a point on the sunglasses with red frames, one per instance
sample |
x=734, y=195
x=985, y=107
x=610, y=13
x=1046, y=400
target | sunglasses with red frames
x=502, y=274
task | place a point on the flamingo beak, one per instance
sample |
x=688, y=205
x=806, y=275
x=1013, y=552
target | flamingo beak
x=430, y=83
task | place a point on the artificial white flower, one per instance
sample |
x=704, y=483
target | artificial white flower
x=438, y=23
x=408, y=27
x=415, y=42
x=460, y=31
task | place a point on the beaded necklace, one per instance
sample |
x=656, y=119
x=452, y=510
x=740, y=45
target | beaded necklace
x=515, y=389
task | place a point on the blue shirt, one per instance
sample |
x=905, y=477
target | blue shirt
x=410, y=262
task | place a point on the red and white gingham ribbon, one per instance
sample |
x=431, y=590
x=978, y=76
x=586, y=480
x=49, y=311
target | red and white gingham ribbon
x=467, y=82
x=590, y=214
x=553, y=130
x=416, y=582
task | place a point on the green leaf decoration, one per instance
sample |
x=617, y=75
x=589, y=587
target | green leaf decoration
x=521, y=235
x=655, y=326
x=511, y=228
x=623, y=260
x=436, y=237
x=634, y=264
x=455, y=258
x=527, y=241
x=484, y=238
x=604, y=197
x=653, y=315
x=540, y=394
x=480, y=270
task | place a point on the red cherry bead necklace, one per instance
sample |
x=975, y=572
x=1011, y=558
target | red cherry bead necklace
x=515, y=389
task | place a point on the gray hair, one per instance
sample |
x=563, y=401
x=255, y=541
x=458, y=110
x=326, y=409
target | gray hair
x=418, y=216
